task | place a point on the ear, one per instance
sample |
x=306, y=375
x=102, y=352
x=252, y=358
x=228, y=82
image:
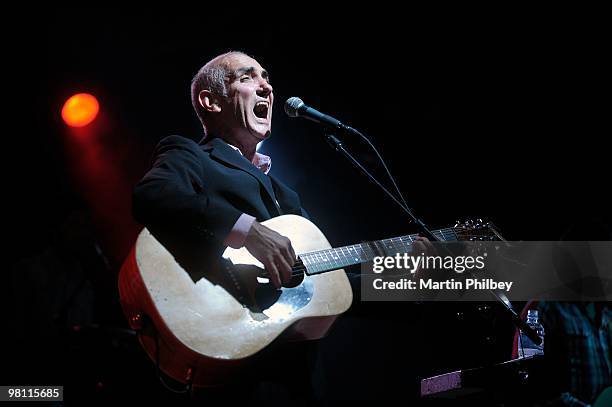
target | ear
x=208, y=101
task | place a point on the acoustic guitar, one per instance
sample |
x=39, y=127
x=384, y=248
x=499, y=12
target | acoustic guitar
x=199, y=332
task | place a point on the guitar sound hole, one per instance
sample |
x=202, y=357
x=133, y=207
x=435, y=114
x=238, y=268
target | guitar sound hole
x=296, y=279
x=266, y=295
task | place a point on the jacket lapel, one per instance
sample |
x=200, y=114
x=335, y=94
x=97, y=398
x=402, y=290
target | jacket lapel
x=221, y=151
x=288, y=197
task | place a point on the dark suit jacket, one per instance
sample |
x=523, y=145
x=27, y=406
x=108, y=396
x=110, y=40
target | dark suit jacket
x=194, y=194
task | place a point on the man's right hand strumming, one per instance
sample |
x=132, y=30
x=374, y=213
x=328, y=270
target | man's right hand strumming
x=273, y=250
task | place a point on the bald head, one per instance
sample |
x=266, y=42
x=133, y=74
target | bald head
x=223, y=59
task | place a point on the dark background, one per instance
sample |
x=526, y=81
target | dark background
x=499, y=118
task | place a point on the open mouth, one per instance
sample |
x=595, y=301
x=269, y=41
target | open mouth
x=261, y=110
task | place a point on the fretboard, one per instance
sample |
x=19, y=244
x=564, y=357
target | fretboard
x=336, y=258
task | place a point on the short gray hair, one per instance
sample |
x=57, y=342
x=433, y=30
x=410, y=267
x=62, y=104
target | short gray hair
x=212, y=76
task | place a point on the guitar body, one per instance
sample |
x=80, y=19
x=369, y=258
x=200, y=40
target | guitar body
x=200, y=332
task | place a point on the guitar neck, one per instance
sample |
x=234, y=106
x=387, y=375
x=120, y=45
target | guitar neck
x=322, y=261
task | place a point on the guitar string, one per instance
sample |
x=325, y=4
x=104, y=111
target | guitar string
x=339, y=250
x=302, y=268
x=442, y=232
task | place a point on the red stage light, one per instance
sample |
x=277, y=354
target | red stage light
x=80, y=110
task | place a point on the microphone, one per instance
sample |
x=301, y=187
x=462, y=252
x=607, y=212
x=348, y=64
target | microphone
x=295, y=107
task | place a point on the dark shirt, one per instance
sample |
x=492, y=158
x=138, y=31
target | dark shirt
x=577, y=349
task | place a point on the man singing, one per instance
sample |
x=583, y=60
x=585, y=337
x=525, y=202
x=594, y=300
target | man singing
x=200, y=198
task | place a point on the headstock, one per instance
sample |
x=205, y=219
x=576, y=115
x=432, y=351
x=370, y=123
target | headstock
x=476, y=230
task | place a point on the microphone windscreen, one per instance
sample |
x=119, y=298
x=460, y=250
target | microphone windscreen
x=292, y=105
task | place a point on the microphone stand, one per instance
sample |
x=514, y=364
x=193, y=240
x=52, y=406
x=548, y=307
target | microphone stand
x=337, y=145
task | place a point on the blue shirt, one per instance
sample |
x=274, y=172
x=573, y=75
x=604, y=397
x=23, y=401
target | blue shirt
x=577, y=345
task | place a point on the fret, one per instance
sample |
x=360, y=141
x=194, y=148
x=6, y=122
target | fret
x=334, y=254
x=368, y=251
x=362, y=252
x=344, y=255
x=354, y=254
x=379, y=250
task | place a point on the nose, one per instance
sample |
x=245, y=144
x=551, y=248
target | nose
x=264, y=88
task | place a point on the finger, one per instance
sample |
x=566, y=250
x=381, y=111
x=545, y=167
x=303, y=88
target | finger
x=284, y=269
x=288, y=255
x=292, y=252
x=287, y=250
x=273, y=274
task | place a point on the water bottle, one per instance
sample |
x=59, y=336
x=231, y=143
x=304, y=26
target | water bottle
x=526, y=347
